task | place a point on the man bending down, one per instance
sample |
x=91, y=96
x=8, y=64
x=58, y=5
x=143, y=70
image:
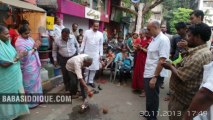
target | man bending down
x=76, y=66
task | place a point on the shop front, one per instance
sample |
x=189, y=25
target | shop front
x=13, y=12
x=83, y=13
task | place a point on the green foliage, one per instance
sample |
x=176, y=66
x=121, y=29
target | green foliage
x=171, y=6
x=127, y=2
x=178, y=15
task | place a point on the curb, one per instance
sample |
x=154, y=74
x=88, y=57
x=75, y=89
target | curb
x=51, y=83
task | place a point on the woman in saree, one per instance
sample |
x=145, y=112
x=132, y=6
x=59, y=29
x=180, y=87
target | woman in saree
x=11, y=77
x=30, y=64
x=140, y=60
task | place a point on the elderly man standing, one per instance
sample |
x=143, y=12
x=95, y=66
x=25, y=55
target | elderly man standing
x=76, y=66
x=157, y=53
x=64, y=48
x=93, y=46
x=187, y=76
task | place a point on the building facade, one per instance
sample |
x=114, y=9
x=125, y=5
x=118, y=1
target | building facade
x=207, y=7
x=82, y=12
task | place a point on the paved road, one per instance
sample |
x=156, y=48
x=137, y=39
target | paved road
x=121, y=102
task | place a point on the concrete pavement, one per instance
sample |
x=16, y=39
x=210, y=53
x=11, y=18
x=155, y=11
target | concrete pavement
x=121, y=102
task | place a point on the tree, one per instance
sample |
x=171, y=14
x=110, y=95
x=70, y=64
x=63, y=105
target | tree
x=179, y=15
x=146, y=8
x=171, y=6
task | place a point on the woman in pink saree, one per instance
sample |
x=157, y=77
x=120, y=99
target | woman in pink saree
x=30, y=64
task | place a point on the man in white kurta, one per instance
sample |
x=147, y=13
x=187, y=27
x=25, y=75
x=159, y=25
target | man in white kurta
x=92, y=45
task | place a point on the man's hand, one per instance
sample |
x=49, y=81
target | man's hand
x=167, y=65
x=183, y=44
x=152, y=82
x=55, y=63
x=89, y=92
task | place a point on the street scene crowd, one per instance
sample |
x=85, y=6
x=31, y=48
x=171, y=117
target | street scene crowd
x=146, y=58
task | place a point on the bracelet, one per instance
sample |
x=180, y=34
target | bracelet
x=17, y=58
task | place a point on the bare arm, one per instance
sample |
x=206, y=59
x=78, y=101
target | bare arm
x=159, y=66
x=17, y=58
x=157, y=72
x=5, y=63
x=200, y=103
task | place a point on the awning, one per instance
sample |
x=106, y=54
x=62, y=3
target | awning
x=21, y=4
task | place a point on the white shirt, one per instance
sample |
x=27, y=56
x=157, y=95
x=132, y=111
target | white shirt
x=92, y=45
x=75, y=65
x=75, y=33
x=158, y=48
x=57, y=31
x=65, y=49
x=208, y=84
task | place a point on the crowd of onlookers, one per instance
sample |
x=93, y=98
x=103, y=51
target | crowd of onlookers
x=149, y=53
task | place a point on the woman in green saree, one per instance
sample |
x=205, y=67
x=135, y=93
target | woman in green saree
x=10, y=77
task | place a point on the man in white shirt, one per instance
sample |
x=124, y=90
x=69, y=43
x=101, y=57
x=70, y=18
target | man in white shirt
x=64, y=48
x=76, y=66
x=93, y=46
x=157, y=53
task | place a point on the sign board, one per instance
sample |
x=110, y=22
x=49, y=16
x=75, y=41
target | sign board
x=92, y=14
x=50, y=23
x=135, y=1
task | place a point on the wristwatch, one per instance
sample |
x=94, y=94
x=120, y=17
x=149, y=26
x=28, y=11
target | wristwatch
x=35, y=49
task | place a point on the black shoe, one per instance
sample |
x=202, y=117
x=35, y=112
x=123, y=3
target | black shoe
x=99, y=87
x=92, y=85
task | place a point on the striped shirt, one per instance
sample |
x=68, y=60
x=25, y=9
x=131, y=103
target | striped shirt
x=65, y=48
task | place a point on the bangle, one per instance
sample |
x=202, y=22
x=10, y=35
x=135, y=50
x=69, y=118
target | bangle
x=17, y=58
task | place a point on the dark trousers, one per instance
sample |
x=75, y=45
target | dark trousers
x=74, y=85
x=152, y=98
x=62, y=62
x=123, y=75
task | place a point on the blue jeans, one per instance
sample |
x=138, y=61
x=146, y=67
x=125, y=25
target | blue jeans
x=152, y=98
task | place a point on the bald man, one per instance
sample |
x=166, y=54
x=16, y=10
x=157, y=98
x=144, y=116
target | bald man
x=157, y=53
